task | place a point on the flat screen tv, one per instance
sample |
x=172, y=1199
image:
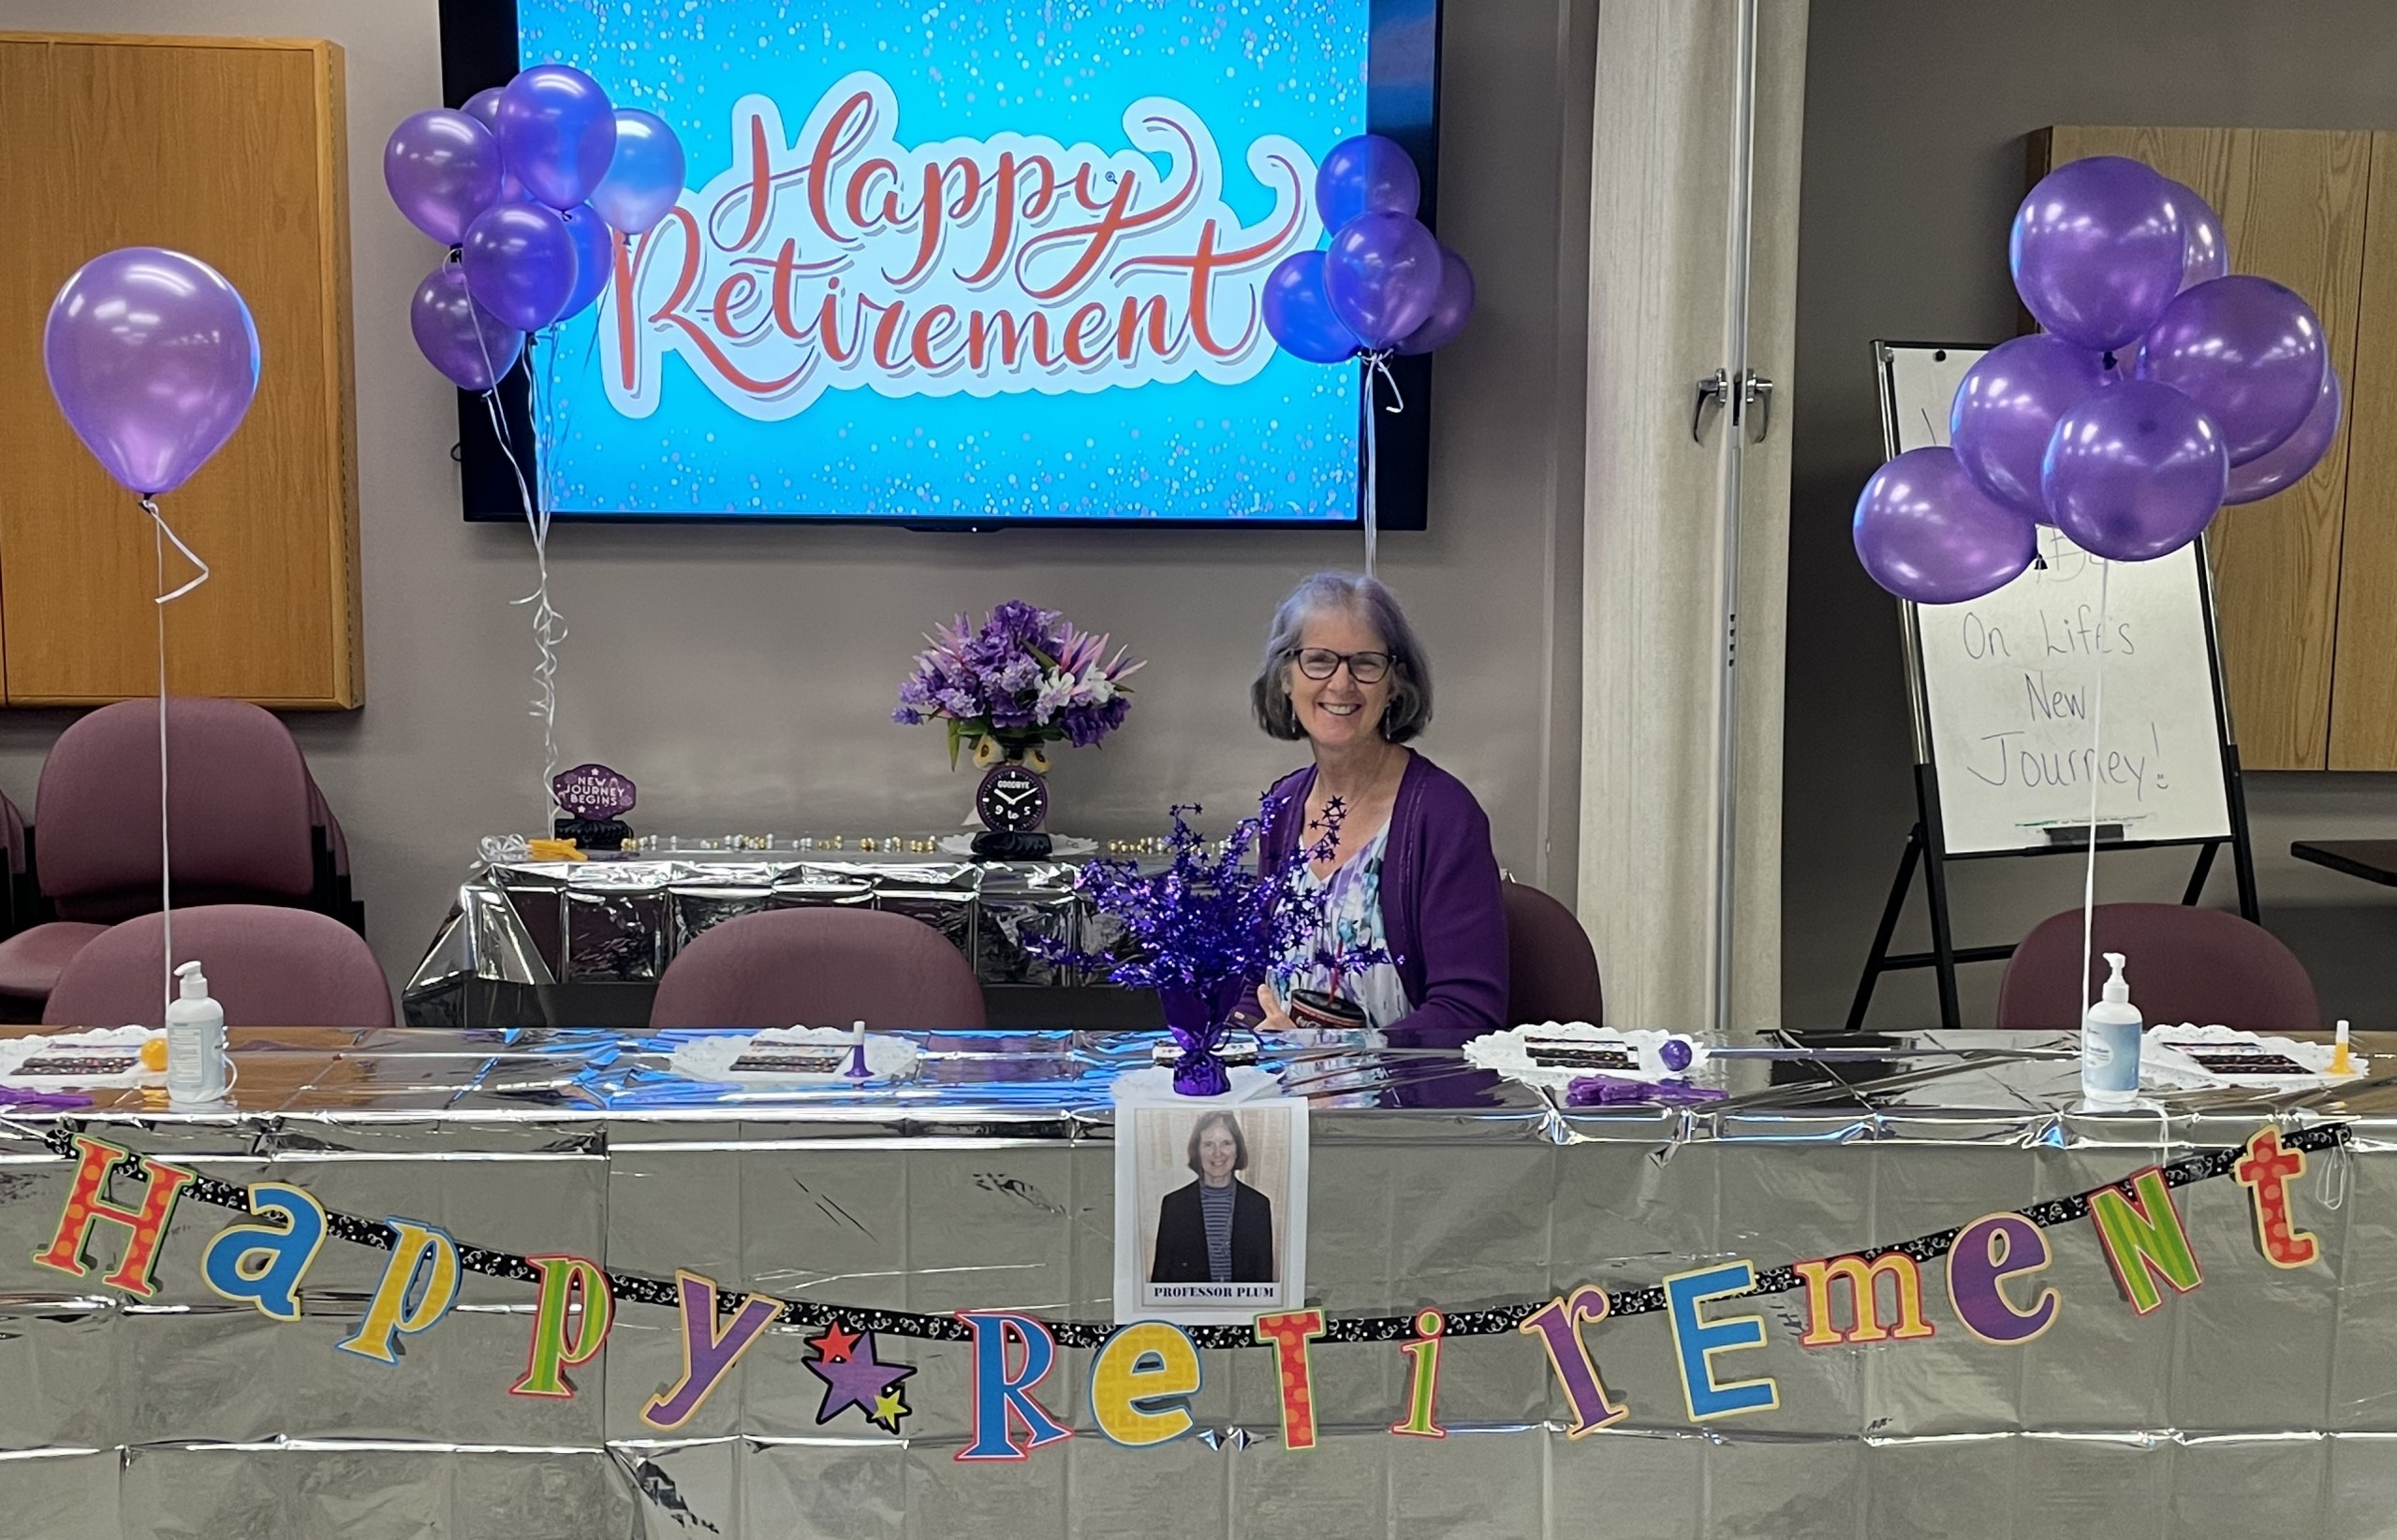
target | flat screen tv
x=962, y=263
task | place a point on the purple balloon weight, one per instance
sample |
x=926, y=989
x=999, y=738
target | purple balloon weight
x=2006, y=410
x=2248, y=350
x=557, y=132
x=2287, y=463
x=1449, y=310
x=644, y=175
x=1383, y=276
x=2098, y=250
x=483, y=107
x=154, y=359
x=1926, y=532
x=1368, y=174
x=595, y=258
x=519, y=262
x=443, y=169
x=2136, y=472
x=1298, y=314
x=2205, y=251
x=472, y=346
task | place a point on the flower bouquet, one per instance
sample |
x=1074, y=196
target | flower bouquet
x=1025, y=678
x=1205, y=928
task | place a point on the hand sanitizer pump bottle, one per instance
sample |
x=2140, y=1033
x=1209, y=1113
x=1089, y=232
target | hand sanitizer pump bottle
x=2109, y=1039
x=195, y=1042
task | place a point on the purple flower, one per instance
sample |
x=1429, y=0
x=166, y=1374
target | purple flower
x=1205, y=919
x=1026, y=675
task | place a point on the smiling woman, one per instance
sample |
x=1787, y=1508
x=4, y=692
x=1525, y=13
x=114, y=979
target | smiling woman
x=1410, y=868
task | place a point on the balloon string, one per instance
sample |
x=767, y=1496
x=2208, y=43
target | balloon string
x=1376, y=363
x=161, y=532
x=2096, y=737
x=549, y=626
x=166, y=530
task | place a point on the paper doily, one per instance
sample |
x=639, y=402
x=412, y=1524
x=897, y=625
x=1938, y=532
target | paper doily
x=792, y=1056
x=95, y=1046
x=2194, y=1057
x=1557, y=1053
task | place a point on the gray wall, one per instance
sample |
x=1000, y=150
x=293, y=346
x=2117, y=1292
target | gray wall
x=1915, y=117
x=744, y=676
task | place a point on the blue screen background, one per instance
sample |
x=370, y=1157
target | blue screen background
x=1281, y=445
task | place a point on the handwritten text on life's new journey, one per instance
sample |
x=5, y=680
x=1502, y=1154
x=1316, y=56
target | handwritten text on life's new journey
x=2056, y=696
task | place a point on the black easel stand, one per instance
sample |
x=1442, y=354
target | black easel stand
x=1927, y=846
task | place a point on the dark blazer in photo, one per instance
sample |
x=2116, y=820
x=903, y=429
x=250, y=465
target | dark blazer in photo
x=1182, y=1237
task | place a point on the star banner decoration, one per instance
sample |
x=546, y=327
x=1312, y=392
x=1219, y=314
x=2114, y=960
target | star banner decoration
x=855, y=1375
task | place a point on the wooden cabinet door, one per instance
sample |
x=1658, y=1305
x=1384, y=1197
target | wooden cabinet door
x=2292, y=204
x=2363, y=691
x=230, y=150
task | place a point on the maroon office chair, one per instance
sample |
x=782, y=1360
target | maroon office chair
x=2205, y=966
x=1552, y=968
x=819, y=967
x=249, y=827
x=20, y=887
x=267, y=966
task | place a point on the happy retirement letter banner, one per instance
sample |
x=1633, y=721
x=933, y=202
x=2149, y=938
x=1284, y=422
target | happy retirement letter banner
x=1001, y=258
x=1143, y=1374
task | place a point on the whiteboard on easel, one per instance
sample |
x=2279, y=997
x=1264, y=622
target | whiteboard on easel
x=2010, y=682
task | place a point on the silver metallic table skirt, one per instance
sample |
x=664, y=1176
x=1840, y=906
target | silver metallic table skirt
x=2262, y=1402
x=542, y=943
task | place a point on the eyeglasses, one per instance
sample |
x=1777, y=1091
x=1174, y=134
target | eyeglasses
x=1322, y=663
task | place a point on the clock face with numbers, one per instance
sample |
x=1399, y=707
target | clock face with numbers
x=1012, y=799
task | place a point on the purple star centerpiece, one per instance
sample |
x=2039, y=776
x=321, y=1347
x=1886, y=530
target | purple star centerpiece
x=594, y=792
x=855, y=1375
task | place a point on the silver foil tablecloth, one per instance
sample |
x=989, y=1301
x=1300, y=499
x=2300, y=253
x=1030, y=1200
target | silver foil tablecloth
x=2262, y=1402
x=520, y=929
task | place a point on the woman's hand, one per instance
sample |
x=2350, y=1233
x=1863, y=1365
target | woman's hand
x=1276, y=1019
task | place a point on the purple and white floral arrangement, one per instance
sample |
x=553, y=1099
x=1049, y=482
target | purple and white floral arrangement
x=1026, y=676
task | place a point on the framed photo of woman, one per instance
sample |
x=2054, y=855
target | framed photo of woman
x=1209, y=1210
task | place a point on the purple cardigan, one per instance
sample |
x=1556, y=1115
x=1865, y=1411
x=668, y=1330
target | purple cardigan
x=1441, y=908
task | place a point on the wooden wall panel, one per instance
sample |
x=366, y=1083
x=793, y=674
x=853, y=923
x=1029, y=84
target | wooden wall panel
x=2292, y=205
x=2363, y=696
x=231, y=149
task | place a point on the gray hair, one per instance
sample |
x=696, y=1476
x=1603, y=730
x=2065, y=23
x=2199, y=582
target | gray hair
x=1410, y=670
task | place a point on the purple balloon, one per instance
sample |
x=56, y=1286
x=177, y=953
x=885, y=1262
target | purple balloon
x=595, y=258
x=2287, y=463
x=644, y=174
x=557, y=132
x=483, y=107
x=154, y=359
x=1926, y=532
x=472, y=346
x=1298, y=314
x=1383, y=277
x=2006, y=410
x=443, y=170
x=2136, y=472
x=2098, y=250
x=2205, y=251
x=1450, y=309
x=520, y=263
x=1368, y=174
x=2248, y=350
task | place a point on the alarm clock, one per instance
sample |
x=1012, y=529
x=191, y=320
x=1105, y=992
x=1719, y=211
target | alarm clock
x=1012, y=799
